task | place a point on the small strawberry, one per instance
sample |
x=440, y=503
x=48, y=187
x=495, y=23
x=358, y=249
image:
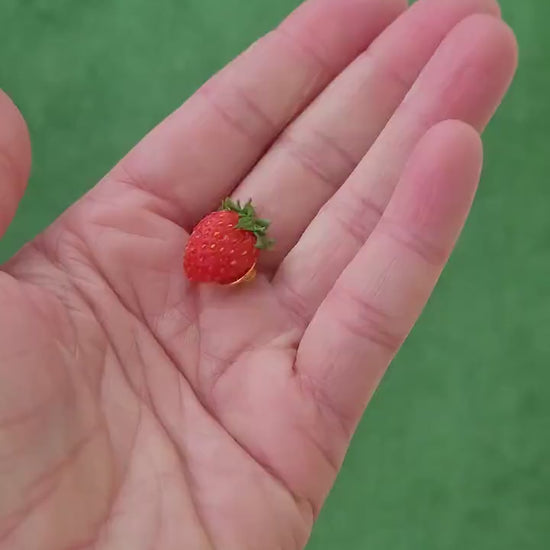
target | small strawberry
x=225, y=245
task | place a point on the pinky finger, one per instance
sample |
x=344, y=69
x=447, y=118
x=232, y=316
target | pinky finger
x=15, y=160
x=378, y=298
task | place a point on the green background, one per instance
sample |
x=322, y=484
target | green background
x=453, y=452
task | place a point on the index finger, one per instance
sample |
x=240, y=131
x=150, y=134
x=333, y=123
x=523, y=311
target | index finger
x=200, y=153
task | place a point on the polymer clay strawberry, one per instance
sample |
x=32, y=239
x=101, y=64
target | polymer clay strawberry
x=225, y=245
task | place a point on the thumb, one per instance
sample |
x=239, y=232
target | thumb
x=15, y=160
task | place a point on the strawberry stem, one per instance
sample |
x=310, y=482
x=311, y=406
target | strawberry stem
x=248, y=221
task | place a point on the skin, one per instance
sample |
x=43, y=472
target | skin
x=140, y=411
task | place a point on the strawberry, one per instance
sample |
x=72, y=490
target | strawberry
x=225, y=245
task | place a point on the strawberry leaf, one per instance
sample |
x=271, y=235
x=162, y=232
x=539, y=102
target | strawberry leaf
x=248, y=221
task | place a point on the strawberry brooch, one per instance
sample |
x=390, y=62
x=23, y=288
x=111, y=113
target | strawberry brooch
x=225, y=245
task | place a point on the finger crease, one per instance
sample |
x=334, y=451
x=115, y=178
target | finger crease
x=367, y=321
x=294, y=302
x=314, y=162
x=358, y=215
x=306, y=48
x=413, y=242
x=243, y=113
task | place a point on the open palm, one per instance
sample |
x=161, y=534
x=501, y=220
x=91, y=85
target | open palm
x=140, y=411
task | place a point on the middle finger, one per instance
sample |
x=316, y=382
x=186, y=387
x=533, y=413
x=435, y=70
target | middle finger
x=317, y=153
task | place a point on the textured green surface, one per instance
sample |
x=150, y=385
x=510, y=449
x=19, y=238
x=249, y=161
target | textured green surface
x=454, y=450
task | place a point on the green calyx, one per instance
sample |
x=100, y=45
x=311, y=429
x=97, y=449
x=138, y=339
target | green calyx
x=248, y=221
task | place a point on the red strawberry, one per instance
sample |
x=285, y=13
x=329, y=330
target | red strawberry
x=225, y=245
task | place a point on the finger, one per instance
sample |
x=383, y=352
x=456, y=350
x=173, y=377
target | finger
x=316, y=153
x=376, y=301
x=465, y=80
x=199, y=154
x=15, y=160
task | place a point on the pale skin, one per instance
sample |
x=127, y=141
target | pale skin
x=140, y=411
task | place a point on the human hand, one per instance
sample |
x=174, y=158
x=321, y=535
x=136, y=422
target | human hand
x=140, y=411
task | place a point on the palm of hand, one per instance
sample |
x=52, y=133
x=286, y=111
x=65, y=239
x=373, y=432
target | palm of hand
x=168, y=393
x=137, y=410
